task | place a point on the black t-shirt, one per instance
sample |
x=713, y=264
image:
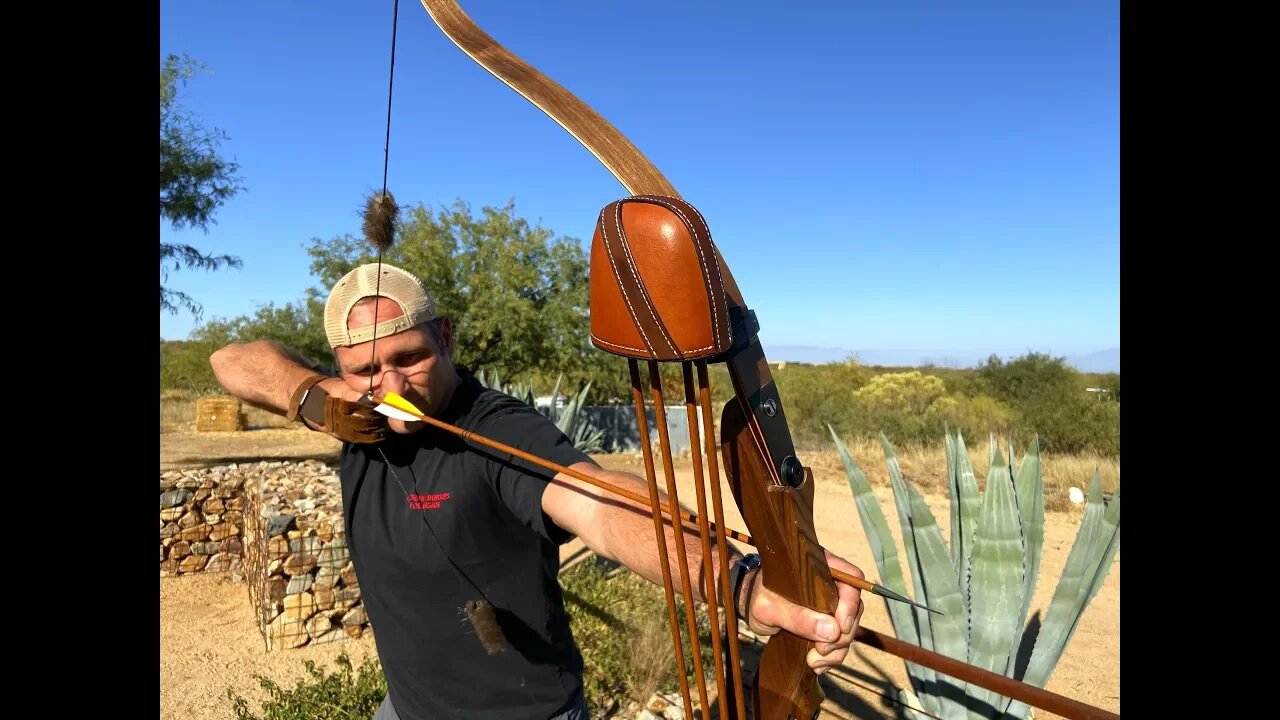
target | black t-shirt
x=484, y=509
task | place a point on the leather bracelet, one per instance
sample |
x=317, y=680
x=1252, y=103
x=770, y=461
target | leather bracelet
x=300, y=395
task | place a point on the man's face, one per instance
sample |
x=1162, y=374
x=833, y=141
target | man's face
x=411, y=363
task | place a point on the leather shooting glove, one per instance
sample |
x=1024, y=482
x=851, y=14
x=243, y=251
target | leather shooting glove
x=355, y=422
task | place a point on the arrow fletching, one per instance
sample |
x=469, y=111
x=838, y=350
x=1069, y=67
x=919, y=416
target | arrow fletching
x=395, y=406
x=396, y=413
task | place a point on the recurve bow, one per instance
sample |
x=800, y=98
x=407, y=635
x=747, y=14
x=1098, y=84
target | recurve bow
x=773, y=490
x=640, y=242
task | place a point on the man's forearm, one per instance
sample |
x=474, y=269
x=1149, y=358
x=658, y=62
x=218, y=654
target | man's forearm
x=629, y=539
x=262, y=373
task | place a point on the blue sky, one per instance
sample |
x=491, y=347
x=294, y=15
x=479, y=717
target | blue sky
x=937, y=176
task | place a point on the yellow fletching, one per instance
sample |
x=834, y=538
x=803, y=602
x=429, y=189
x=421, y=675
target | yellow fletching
x=400, y=403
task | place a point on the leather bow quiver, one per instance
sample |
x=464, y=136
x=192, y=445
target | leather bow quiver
x=661, y=292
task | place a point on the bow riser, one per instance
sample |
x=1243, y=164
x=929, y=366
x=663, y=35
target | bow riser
x=780, y=519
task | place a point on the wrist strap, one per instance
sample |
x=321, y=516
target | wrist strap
x=300, y=395
x=742, y=568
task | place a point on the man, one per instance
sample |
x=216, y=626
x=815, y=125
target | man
x=435, y=524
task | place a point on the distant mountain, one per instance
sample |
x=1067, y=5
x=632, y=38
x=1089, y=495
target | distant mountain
x=806, y=354
x=1102, y=361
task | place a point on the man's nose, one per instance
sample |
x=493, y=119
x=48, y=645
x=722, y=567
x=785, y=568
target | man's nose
x=392, y=381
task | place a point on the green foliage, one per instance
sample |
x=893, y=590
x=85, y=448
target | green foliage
x=814, y=395
x=184, y=365
x=1032, y=396
x=300, y=327
x=619, y=621
x=975, y=415
x=1052, y=402
x=516, y=297
x=983, y=583
x=911, y=391
x=194, y=181
x=340, y=695
x=1111, y=384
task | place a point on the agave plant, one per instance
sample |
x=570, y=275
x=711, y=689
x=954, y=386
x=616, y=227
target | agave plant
x=519, y=391
x=570, y=419
x=985, y=581
x=574, y=424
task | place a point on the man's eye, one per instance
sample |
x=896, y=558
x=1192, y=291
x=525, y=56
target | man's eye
x=414, y=359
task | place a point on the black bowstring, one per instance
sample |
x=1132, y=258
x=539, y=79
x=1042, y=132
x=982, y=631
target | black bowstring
x=386, y=160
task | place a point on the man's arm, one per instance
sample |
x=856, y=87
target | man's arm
x=269, y=376
x=621, y=530
x=264, y=374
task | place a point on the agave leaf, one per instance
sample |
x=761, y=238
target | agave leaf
x=915, y=561
x=588, y=438
x=997, y=580
x=941, y=591
x=970, y=507
x=953, y=494
x=993, y=452
x=569, y=416
x=1087, y=566
x=575, y=425
x=555, y=393
x=1030, y=492
x=884, y=550
x=1110, y=519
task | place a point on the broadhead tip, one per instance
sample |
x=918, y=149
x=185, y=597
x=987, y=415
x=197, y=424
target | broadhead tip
x=886, y=592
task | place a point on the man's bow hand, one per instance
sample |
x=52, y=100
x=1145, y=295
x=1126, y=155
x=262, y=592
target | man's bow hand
x=832, y=636
x=328, y=405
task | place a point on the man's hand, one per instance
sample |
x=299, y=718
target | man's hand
x=832, y=636
x=327, y=404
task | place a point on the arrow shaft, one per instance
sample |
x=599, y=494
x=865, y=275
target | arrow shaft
x=684, y=516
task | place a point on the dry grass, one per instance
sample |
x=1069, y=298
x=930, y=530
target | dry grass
x=650, y=656
x=178, y=413
x=926, y=467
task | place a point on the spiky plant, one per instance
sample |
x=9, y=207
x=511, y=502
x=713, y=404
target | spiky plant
x=571, y=419
x=576, y=426
x=985, y=581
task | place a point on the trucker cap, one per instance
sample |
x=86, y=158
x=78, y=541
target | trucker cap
x=395, y=284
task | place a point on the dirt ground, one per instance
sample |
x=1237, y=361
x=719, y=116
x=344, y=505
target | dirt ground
x=209, y=643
